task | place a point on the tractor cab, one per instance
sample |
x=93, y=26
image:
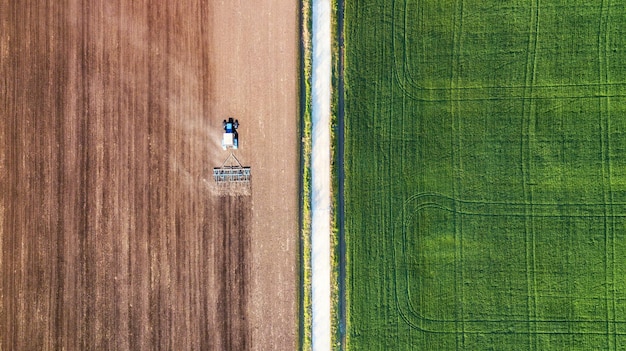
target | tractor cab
x=230, y=139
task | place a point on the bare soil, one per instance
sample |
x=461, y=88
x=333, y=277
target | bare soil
x=112, y=233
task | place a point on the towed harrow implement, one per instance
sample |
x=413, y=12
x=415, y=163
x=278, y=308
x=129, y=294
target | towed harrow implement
x=231, y=171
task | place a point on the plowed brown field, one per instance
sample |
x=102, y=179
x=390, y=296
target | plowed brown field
x=112, y=234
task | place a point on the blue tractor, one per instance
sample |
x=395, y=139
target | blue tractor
x=230, y=139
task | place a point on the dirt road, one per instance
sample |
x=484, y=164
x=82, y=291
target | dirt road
x=112, y=235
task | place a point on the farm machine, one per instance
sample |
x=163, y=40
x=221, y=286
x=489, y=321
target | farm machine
x=230, y=139
x=231, y=171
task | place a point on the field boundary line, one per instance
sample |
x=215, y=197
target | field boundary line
x=341, y=175
x=304, y=242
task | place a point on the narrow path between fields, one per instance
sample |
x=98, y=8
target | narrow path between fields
x=320, y=176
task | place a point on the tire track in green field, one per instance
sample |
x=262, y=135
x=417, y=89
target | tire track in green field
x=408, y=85
x=607, y=190
x=517, y=209
x=412, y=316
x=404, y=81
x=456, y=147
x=527, y=130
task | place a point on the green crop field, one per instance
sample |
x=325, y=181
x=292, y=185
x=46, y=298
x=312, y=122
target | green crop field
x=486, y=174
